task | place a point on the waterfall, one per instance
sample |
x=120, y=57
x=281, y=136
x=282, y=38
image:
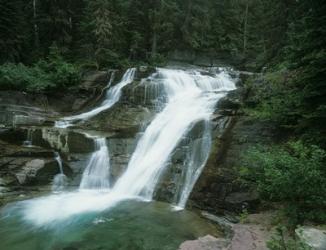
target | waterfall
x=112, y=96
x=96, y=175
x=60, y=180
x=29, y=140
x=190, y=98
x=195, y=161
x=183, y=99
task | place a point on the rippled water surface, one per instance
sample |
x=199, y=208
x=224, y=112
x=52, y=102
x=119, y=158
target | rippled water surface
x=130, y=225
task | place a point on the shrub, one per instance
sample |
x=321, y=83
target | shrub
x=21, y=77
x=276, y=99
x=45, y=75
x=281, y=241
x=294, y=174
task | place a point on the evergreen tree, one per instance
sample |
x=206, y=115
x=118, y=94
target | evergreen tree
x=12, y=30
x=307, y=56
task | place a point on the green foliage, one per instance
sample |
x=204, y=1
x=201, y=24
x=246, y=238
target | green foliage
x=277, y=100
x=244, y=216
x=21, y=77
x=295, y=96
x=277, y=97
x=45, y=75
x=294, y=174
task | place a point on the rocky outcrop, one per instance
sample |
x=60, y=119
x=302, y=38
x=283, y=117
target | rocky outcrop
x=121, y=150
x=38, y=171
x=207, y=242
x=122, y=119
x=312, y=237
x=251, y=235
x=218, y=187
x=24, y=109
x=26, y=169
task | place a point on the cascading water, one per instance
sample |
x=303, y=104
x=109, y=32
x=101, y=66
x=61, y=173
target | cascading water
x=194, y=163
x=190, y=98
x=60, y=180
x=112, y=96
x=97, y=173
x=183, y=99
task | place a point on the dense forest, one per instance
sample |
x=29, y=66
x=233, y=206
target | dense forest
x=47, y=45
x=108, y=32
x=44, y=44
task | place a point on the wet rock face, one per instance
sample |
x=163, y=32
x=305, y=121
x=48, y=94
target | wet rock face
x=239, y=201
x=218, y=186
x=23, y=120
x=25, y=109
x=233, y=101
x=49, y=138
x=120, y=150
x=125, y=120
x=37, y=170
x=26, y=168
x=173, y=179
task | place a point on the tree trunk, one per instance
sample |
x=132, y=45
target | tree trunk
x=245, y=29
x=156, y=25
x=36, y=36
x=184, y=28
x=154, y=44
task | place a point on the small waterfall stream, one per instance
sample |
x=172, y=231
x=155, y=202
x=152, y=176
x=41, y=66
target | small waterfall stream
x=97, y=173
x=112, y=96
x=60, y=180
x=195, y=161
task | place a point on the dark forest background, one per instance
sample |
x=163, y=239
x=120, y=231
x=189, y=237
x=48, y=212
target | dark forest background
x=109, y=32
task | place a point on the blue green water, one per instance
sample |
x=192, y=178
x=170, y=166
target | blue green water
x=131, y=225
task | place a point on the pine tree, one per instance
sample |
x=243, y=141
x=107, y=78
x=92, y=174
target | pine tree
x=12, y=31
x=98, y=29
x=307, y=56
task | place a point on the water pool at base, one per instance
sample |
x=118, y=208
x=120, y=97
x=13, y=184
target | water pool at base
x=131, y=225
